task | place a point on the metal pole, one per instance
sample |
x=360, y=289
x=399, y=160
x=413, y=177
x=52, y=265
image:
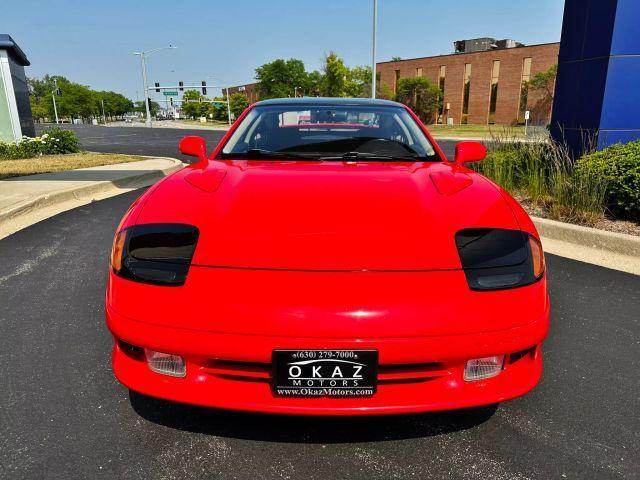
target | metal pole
x=228, y=106
x=104, y=117
x=373, y=49
x=145, y=92
x=53, y=95
x=55, y=109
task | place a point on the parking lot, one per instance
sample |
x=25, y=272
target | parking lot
x=65, y=416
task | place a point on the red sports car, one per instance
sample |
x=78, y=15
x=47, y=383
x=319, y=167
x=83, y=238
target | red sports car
x=327, y=258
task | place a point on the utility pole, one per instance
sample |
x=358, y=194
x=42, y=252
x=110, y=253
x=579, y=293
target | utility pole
x=53, y=95
x=145, y=88
x=145, y=96
x=104, y=117
x=373, y=49
x=228, y=106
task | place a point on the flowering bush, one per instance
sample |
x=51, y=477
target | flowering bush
x=55, y=141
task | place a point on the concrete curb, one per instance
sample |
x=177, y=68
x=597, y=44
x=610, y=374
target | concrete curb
x=74, y=196
x=619, y=243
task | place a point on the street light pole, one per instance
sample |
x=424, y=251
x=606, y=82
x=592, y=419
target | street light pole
x=145, y=89
x=373, y=49
x=145, y=98
x=53, y=95
x=228, y=106
x=104, y=117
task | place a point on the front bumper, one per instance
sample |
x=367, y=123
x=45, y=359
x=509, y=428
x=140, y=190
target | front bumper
x=417, y=374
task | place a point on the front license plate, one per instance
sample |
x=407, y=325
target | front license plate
x=325, y=373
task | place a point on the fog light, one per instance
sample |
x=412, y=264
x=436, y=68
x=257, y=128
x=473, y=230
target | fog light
x=481, y=368
x=165, y=363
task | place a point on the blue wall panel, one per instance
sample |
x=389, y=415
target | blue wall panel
x=598, y=85
x=622, y=94
x=626, y=37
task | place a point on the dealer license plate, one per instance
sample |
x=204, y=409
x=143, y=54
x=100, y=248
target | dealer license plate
x=325, y=373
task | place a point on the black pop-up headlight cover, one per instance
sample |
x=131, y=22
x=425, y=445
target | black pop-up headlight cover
x=158, y=253
x=494, y=258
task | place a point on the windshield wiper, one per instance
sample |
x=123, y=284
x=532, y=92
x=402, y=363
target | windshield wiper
x=352, y=156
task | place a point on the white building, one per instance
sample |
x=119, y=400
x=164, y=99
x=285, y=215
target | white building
x=15, y=110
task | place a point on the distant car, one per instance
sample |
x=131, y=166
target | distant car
x=327, y=258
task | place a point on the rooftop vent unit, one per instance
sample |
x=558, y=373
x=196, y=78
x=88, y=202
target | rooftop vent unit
x=483, y=44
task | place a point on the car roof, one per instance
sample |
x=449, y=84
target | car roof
x=332, y=101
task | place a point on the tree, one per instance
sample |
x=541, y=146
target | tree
x=218, y=111
x=73, y=99
x=541, y=90
x=419, y=94
x=280, y=78
x=237, y=103
x=140, y=107
x=115, y=104
x=314, y=84
x=396, y=59
x=193, y=105
x=335, y=77
x=544, y=82
x=358, y=82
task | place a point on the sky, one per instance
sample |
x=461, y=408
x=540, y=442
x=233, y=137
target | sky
x=92, y=42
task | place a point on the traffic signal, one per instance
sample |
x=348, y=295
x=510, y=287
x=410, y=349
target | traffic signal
x=149, y=102
x=157, y=87
x=171, y=101
x=204, y=88
x=58, y=92
x=181, y=85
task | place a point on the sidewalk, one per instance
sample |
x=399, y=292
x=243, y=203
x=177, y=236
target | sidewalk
x=30, y=199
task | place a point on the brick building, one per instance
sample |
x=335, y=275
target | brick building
x=484, y=82
x=248, y=90
x=486, y=86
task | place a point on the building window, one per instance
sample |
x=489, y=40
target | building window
x=397, y=79
x=465, y=94
x=441, y=81
x=524, y=89
x=495, y=74
x=419, y=72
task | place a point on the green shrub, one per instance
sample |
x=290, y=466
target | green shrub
x=619, y=166
x=53, y=142
x=60, y=141
x=25, y=148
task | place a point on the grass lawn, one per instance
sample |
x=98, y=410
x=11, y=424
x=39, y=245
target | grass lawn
x=59, y=163
x=483, y=131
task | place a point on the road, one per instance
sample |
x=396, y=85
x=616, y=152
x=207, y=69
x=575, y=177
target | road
x=155, y=141
x=63, y=415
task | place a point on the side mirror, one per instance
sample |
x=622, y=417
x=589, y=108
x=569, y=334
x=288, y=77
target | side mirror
x=194, y=146
x=469, y=152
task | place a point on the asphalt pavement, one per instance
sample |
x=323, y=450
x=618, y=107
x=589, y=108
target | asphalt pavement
x=162, y=142
x=155, y=141
x=63, y=415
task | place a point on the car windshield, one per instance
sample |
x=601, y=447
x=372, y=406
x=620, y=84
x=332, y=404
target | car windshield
x=330, y=132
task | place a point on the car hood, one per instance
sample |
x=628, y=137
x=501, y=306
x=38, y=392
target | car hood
x=328, y=216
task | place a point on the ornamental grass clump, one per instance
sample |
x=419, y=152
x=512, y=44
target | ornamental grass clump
x=545, y=174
